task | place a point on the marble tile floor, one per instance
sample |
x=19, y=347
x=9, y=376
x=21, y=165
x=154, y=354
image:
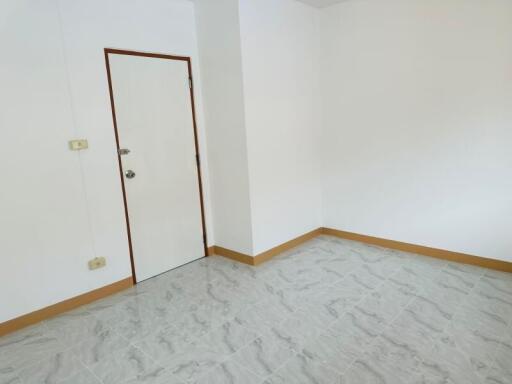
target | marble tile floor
x=328, y=312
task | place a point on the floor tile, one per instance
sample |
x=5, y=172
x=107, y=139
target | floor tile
x=504, y=276
x=446, y=363
x=94, y=349
x=478, y=334
x=366, y=371
x=340, y=297
x=123, y=365
x=228, y=338
x=52, y=369
x=9, y=376
x=82, y=377
x=193, y=363
x=265, y=354
x=497, y=376
x=408, y=279
x=503, y=357
x=296, y=331
x=457, y=281
x=262, y=316
x=387, y=302
x=367, y=276
x=493, y=294
x=416, y=329
x=230, y=372
x=332, y=349
x=164, y=344
x=305, y=370
x=356, y=331
x=156, y=375
x=395, y=358
x=28, y=348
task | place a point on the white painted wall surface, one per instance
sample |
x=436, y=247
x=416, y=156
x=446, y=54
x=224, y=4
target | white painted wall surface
x=418, y=107
x=61, y=208
x=280, y=76
x=219, y=42
x=45, y=239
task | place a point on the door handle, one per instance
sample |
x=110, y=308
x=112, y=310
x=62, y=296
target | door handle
x=129, y=174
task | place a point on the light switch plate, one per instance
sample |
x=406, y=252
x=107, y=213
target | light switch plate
x=96, y=263
x=78, y=145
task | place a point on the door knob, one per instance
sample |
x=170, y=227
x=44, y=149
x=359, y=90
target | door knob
x=129, y=174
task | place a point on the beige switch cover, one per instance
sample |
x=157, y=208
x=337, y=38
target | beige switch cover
x=97, y=262
x=77, y=145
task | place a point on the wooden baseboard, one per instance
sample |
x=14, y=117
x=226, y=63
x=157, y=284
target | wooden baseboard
x=64, y=306
x=233, y=255
x=458, y=257
x=267, y=255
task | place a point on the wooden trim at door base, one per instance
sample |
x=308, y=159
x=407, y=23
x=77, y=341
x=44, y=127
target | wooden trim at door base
x=458, y=257
x=64, y=306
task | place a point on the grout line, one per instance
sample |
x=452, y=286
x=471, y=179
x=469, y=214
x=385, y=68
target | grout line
x=493, y=361
x=422, y=290
x=342, y=314
x=365, y=350
x=92, y=373
x=294, y=312
x=456, y=312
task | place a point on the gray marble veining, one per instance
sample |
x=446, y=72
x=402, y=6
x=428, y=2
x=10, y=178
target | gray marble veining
x=304, y=369
x=52, y=370
x=82, y=377
x=229, y=372
x=95, y=349
x=265, y=354
x=330, y=311
x=123, y=365
x=448, y=363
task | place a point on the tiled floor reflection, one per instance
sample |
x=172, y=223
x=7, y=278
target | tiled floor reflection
x=328, y=312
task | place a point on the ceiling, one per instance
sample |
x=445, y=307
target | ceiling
x=321, y=3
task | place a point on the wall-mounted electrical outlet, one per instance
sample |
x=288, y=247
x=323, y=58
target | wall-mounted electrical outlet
x=96, y=263
x=78, y=145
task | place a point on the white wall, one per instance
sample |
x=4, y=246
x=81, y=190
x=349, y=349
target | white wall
x=418, y=114
x=280, y=78
x=45, y=240
x=219, y=41
x=61, y=208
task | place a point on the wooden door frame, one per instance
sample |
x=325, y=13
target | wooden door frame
x=114, y=51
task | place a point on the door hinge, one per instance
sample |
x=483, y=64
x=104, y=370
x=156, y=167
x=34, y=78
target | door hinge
x=190, y=82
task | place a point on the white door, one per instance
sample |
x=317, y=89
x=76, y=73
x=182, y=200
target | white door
x=153, y=110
